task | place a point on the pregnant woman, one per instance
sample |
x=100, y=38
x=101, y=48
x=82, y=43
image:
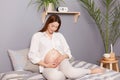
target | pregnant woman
x=51, y=52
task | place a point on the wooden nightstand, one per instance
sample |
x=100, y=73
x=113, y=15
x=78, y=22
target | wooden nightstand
x=110, y=64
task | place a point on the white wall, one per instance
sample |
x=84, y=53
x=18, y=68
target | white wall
x=17, y=23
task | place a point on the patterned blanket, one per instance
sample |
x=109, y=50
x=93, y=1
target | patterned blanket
x=26, y=75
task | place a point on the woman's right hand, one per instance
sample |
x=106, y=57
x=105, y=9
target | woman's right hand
x=47, y=65
x=51, y=65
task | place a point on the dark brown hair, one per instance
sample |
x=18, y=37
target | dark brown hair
x=52, y=18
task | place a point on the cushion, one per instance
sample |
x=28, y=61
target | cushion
x=31, y=67
x=20, y=60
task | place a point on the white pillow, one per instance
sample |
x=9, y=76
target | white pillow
x=18, y=58
x=31, y=67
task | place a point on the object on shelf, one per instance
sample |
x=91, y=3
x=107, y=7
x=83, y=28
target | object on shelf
x=50, y=7
x=62, y=9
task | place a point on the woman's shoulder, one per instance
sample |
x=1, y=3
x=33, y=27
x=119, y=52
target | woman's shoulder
x=37, y=34
x=58, y=33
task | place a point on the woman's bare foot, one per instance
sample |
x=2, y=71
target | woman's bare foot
x=97, y=70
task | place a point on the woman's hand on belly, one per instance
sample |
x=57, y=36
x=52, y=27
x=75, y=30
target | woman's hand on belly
x=61, y=58
x=57, y=61
x=51, y=65
x=47, y=65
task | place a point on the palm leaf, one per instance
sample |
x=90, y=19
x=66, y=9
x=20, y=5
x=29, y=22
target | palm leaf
x=108, y=22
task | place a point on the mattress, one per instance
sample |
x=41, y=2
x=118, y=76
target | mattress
x=26, y=75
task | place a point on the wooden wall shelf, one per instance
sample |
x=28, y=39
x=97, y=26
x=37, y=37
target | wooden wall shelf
x=76, y=14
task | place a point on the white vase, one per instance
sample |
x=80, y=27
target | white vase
x=50, y=7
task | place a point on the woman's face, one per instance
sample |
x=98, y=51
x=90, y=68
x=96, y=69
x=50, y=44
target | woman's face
x=52, y=27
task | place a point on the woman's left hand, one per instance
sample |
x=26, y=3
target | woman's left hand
x=61, y=58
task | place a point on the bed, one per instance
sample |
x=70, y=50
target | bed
x=30, y=73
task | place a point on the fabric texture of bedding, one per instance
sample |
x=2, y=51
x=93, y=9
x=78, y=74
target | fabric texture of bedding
x=26, y=75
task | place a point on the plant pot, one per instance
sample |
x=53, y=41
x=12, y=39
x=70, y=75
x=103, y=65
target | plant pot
x=106, y=55
x=50, y=7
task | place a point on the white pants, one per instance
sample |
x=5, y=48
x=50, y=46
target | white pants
x=65, y=70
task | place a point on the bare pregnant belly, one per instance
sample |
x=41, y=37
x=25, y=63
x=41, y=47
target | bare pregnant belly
x=52, y=56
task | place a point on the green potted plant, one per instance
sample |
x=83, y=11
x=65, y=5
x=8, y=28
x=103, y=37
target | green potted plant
x=43, y=4
x=108, y=20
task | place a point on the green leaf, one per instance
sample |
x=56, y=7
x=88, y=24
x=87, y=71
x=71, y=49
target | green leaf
x=44, y=3
x=108, y=22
